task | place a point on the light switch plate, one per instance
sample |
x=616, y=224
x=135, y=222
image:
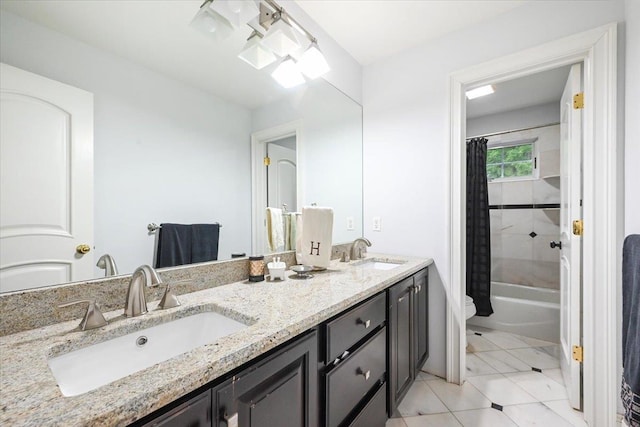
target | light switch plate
x=350, y=225
x=377, y=223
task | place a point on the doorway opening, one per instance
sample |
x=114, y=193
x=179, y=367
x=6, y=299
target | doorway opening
x=275, y=154
x=601, y=206
x=530, y=136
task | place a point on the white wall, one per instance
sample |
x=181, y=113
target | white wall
x=164, y=151
x=522, y=118
x=405, y=99
x=346, y=72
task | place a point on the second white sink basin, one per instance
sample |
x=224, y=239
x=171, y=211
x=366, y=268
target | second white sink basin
x=379, y=265
x=91, y=367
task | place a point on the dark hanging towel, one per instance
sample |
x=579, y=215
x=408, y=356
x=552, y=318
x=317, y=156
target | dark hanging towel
x=478, y=227
x=180, y=244
x=204, y=242
x=630, y=392
x=174, y=245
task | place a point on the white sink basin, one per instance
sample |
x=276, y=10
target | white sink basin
x=91, y=367
x=380, y=265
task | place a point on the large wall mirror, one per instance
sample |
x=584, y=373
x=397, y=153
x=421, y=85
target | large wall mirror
x=173, y=117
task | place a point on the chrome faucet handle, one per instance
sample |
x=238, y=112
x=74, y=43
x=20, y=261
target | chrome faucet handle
x=169, y=299
x=93, y=318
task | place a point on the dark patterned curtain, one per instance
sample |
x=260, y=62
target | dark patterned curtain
x=478, y=227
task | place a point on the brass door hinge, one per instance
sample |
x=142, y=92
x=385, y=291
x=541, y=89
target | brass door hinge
x=578, y=101
x=267, y=161
x=578, y=227
x=577, y=353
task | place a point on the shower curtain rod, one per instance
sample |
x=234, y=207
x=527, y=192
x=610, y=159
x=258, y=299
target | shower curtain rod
x=511, y=131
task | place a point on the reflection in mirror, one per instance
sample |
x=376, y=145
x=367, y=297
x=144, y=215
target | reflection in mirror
x=173, y=118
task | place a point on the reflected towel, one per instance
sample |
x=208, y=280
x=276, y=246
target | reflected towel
x=317, y=232
x=275, y=229
x=174, y=245
x=293, y=229
x=204, y=242
x=286, y=219
x=180, y=244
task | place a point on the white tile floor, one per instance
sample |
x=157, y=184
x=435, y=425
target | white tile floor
x=499, y=371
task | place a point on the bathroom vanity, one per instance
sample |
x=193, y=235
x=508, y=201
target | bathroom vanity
x=315, y=352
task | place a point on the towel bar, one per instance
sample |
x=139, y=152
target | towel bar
x=153, y=226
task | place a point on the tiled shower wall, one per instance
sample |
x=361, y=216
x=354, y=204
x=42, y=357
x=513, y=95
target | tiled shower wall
x=520, y=251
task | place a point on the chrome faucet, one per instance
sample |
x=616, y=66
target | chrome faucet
x=136, y=303
x=357, y=251
x=107, y=263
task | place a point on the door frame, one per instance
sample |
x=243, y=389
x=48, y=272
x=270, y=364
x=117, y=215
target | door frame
x=602, y=199
x=259, y=140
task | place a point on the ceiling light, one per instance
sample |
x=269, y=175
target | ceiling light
x=287, y=73
x=211, y=23
x=237, y=12
x=280, y=38
x=254, y=53
x=481, y=91
x=313, y=63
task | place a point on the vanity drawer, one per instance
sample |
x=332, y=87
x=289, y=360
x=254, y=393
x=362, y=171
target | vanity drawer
x=351, y=327
x=354, y=378
x=374, y=414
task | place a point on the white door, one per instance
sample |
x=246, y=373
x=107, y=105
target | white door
x=571, y=251
x=46, y=185
x=281, y=177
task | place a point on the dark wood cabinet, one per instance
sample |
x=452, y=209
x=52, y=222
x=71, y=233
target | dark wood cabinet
x=354, y=365
x=350, y=371
x=195, y=412
x=420, y=319
x=279, y=391
x=408, y=334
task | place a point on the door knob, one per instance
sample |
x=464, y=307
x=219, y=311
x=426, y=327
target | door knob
x=83, y=249
x=556, y=245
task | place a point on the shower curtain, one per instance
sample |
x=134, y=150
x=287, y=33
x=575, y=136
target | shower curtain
x=478, y=227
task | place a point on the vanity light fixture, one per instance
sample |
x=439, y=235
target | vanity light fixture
x=237, y=12
x=288, y=74
x=254, y=53
x=480, y=91
x=211, y=23
x=313, y=63
x=280, y=38
x=284, y=37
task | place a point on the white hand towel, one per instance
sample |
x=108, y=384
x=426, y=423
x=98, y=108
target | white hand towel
x=275, y=229
x=317, y=232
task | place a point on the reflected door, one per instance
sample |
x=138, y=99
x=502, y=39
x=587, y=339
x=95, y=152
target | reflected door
x=281, y=177
x=46, y=208
x=571, y=249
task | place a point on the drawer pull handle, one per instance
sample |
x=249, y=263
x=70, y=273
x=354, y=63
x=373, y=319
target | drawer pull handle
x=366, y=323
x=401, y=298
x=232, y=420
x=365, y=374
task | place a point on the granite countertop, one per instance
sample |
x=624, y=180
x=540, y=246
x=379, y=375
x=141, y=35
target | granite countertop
x=276, y=312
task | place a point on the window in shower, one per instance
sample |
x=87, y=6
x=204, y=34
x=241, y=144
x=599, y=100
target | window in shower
x=511, y=161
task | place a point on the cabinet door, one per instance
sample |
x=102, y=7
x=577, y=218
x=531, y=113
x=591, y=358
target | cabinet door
x=400, y=337
x=420, y=319
x=193, y=413
x=279, y=391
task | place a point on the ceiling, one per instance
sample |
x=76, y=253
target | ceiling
x=371, y=30
x=156, y=34
x=536, y=89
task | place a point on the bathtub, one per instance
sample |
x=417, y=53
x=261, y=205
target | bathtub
x=523, y=310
